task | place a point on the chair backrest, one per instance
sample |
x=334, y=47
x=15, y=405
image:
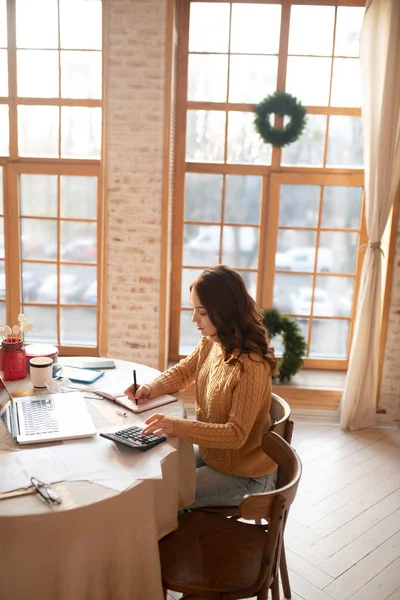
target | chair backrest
x=280, y=417
x=259, y=506
x=274, y=506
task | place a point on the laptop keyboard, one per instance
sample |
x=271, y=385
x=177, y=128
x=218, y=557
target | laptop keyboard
x=39, y=417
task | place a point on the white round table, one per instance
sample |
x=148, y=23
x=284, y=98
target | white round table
x=99, y=543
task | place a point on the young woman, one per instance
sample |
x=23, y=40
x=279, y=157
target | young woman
x=232, y=367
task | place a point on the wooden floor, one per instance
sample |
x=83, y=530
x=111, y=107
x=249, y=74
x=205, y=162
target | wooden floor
x=343, y=533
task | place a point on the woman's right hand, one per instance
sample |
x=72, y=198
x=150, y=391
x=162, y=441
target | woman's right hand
x=143, y=393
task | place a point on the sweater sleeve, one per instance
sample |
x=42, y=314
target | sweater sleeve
x=248, y=397
x=181, y=376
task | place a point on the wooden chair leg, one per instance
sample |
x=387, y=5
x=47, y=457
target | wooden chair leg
x=263, y=592
x=284, y=574
x=275, y=589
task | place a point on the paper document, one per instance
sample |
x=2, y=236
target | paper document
x=120, y=398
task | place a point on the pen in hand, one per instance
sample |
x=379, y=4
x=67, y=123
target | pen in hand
x=135, y=386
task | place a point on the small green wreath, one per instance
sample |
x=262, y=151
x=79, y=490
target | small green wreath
x=280, y=103
x=293, y=341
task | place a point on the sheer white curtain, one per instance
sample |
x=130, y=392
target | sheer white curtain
x=380, y=72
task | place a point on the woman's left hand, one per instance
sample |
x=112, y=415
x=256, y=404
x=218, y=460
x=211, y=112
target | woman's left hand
x=159, y=424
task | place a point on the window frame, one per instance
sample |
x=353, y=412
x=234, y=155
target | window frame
x=272, y=174
x=13, y=166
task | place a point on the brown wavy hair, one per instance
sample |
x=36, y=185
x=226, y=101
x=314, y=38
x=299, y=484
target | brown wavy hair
x=233, y=312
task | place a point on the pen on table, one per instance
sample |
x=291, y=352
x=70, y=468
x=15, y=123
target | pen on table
x=135, y=386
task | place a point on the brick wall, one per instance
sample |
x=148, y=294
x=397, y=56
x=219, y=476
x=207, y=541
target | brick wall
x=390, y=387
x=135, y=118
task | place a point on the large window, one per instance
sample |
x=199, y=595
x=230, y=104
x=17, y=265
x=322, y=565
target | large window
x=290, y=221
x=51, y=81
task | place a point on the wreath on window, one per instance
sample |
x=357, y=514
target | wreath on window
x=283, y=104
x=294, y=342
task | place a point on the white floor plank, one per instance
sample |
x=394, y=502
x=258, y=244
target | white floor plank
x=361, y=546
x=383, y=586
x=351, y=510
x=364, y=571
x=307, y=570
x=343, y=496
x=394, y=596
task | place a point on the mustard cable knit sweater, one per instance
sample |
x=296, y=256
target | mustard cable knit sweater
x=232, y=408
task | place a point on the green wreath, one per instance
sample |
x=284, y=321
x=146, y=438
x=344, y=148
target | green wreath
x=282, y=104
x=293, y=341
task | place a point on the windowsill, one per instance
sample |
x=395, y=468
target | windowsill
x=313, y=389
x=317, y=379
x=310, y=390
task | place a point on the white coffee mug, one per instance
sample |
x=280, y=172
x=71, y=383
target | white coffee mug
x=41, y=369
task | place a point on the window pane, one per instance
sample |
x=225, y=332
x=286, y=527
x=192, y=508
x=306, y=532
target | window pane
x=309, y=149
x=205, y=136
x=74, y=282
x=83, y=31
x=38, y=131
x=339, y=290
x=79, y=241
x=308, y=79
x=255, y=28
x=250, y=279
x=201, y=245
x=240, y=246
x=341, y=249
x=298, y=205
x=303, y=302
x=37, y=24
x=81, y=74
x=311, y=30
x=44, y=320
x=38, y=195
x=341, y=207
x=39, y=239
x=209, y=27
x=242, y=199
x=189, y=336
x=286, y=289
x=78, y=197
x=4, y=130
x=295, y=250
x=203, y=197
x=3, y=312
x=3, y=24
x=34, y=277
x=348, y=26
x=252, y=78
x=188, y=276
x=337, y=332
x=3, y=73
x=345, y=143
x=80, y=132
x=244, y=143
x=37, y=73
x=207, y=77
x=346, y=82
x=78, y=325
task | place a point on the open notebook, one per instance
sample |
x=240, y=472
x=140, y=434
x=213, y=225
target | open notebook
x=123, y=400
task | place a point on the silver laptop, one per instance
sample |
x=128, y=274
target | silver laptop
x=33, y=419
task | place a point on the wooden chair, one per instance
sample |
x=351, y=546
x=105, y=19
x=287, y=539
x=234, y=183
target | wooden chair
x=283, y=426
x=210, y=556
